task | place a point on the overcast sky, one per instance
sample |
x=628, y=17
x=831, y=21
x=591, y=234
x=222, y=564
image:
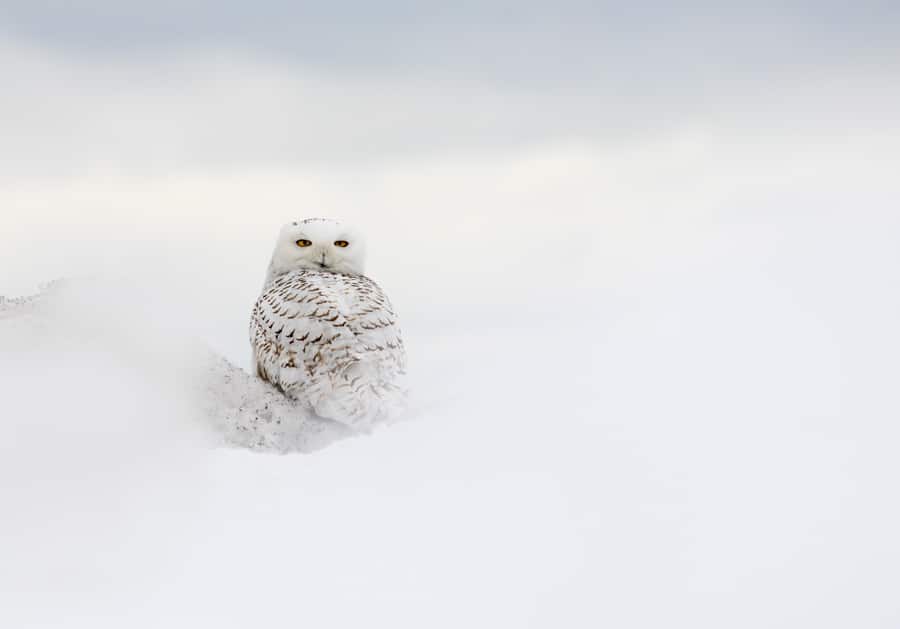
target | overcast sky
x=214, y=82
x=521, y=40
x=473, y=120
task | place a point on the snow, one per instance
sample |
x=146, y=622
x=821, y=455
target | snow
x=707, y=439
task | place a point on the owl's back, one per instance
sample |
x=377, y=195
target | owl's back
x=331, y=341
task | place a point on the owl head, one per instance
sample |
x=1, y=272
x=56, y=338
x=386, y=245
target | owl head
x=320, y=244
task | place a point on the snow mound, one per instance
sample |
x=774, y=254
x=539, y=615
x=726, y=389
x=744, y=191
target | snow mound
x=250, y=413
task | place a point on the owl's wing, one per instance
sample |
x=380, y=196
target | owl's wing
x=376, y=329
x=292, y=326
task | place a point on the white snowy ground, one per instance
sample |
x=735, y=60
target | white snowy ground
x=649, y=417
x=714, y=445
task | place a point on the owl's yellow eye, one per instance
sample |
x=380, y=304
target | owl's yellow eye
x=341, y=243
x=304, y=243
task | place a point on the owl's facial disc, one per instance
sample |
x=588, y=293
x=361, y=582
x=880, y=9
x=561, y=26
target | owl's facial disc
x=320, y=244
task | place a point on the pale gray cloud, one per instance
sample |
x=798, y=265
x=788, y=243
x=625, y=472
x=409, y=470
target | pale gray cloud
x=496, y=39
x=213, y=109
x=209, y=84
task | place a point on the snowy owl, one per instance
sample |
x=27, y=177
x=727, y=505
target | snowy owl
x=322, y=332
